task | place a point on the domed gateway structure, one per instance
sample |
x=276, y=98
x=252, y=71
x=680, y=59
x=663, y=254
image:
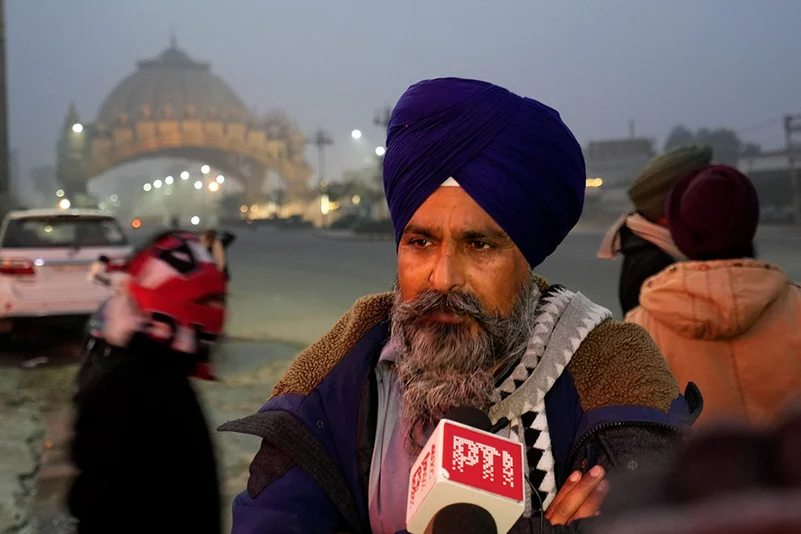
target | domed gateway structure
x=173, y=106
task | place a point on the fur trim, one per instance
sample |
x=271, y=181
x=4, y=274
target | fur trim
x=619, y=364
x=314, y=363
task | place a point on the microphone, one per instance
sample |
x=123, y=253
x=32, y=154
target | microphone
x=466, y=480
x=463, y=518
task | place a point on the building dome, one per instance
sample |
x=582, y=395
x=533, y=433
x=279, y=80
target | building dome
x=171, y=85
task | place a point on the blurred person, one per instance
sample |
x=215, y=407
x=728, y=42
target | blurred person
x=642, y=237
x=482, y=186
x=216, y=245
x=141, y=443
x=725, y=320
x=729, y=478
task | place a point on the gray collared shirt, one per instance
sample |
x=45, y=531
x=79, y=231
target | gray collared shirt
x=388, y=485
x=391, y=463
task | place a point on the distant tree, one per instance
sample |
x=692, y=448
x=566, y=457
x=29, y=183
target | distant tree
x=279, y=196
x=751, y=149
x=679, y=136
x=725, y=143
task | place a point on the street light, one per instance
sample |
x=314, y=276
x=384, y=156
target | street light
x=380, y=151
x=220, y=179
x=185, y=175
x=198, y=185
x=356, y=134
x=214, y=187
x=147, y=187
x=64, y=204
x=60, y=193
x=168, y=180
x=205, y=169
x=195, y=220
x=157, y=184
x=77, y=127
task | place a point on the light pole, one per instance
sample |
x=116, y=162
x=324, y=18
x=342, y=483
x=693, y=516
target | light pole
x=321, y=139
x=5, y=169
x=204, y=170
x=792, y=124
x=381, y=119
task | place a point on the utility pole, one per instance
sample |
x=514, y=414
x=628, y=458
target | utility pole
x=5, y=170
x=792, y=124
x=381, y=120
x=320, y=139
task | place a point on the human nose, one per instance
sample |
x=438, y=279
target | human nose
x=447, y=273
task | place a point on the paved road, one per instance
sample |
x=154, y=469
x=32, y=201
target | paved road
x=288, y=288
x=294, y=286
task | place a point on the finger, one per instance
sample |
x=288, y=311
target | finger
x=575, y=498
x=593, y=503
x=569, y=484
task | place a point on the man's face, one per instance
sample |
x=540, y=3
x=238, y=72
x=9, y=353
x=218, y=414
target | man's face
x=452, y=245
x=463, y=308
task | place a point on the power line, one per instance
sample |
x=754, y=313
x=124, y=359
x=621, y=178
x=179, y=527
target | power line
x=761, y=125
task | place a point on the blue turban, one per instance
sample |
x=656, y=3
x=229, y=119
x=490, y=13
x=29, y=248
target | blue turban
x=514, y=156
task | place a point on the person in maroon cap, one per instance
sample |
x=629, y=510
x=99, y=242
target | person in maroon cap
x=725, y=320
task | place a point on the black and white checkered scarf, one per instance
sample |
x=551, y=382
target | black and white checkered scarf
x=564, y=319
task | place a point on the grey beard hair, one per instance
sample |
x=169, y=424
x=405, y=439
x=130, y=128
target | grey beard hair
x=441, y=366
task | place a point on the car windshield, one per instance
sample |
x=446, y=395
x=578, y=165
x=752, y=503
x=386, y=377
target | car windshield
x=67, y=231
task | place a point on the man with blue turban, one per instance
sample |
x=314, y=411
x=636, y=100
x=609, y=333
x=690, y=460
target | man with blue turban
x=482, y=186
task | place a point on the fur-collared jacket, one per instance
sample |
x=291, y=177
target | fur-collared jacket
x=616, y=404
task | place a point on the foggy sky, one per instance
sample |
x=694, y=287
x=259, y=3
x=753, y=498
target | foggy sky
x=333, y=63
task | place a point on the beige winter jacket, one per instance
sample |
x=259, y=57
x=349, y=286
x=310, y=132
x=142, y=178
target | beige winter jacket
x=734, y=328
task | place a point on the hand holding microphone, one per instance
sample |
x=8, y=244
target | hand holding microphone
x=467, y=480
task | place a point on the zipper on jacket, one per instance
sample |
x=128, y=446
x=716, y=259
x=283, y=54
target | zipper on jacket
x=582, y=441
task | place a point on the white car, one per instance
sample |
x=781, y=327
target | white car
x=45, y=260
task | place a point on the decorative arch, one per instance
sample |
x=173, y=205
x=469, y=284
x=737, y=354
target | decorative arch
x=174, y=106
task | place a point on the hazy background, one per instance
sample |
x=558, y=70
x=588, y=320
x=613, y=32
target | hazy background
x=333, y=64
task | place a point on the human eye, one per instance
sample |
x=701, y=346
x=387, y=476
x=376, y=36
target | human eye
x=419, y=242
x=480, y=245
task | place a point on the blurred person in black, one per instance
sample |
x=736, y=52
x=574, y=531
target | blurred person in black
x=729, y=478
x=141, y=442
x=642, y=237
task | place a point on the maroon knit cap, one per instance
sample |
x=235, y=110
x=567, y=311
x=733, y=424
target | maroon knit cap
x=713, y=214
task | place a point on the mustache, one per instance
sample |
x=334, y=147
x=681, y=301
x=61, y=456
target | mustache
x=456, y=303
